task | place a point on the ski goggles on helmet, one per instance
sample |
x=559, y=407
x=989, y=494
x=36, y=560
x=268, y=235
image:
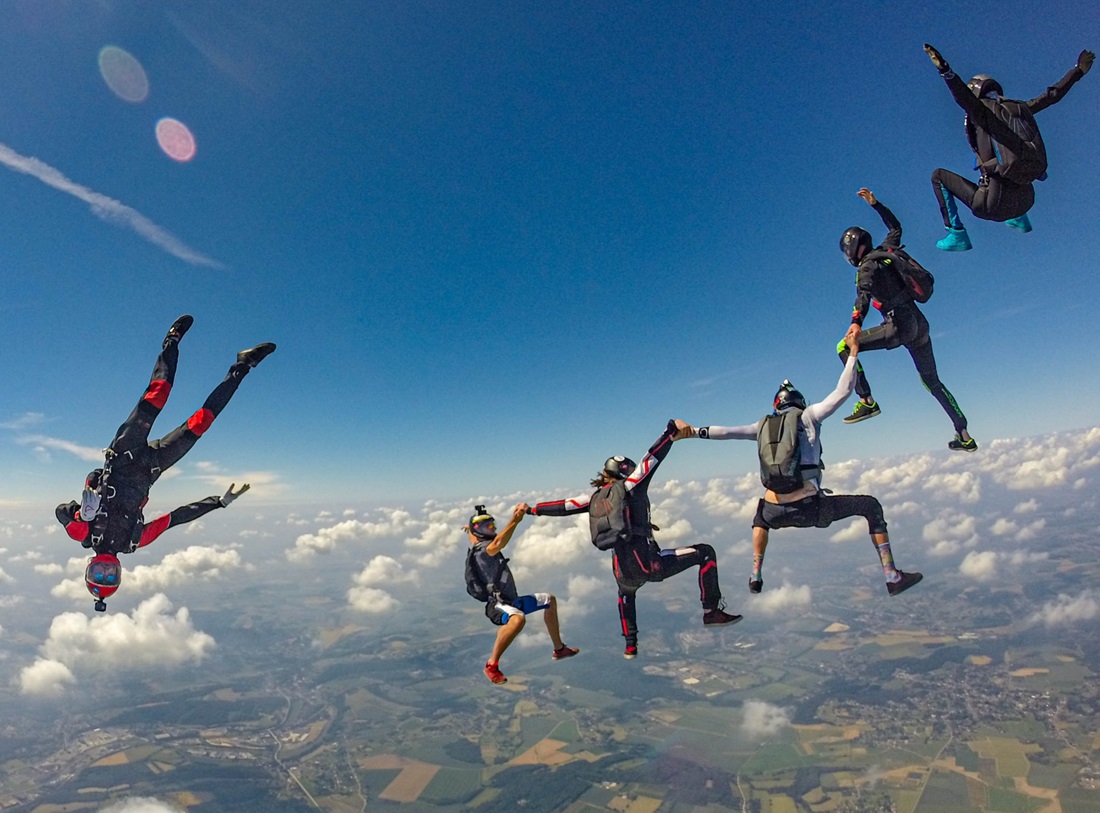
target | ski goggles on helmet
x=103, y=575
x=482, y=524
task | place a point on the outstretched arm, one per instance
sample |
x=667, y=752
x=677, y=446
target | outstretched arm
x=893, y=225
x=831, y=403
x=188, y=513
x=1055, y=92
x=657, y=452
x=505, y=536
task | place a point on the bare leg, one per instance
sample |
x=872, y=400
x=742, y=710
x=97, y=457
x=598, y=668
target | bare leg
x=759, y=546
x=551, y=614
x=505, y=635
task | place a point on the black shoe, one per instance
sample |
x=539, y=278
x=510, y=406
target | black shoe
x=862, y=412
x=718, y=616
x=178, y=329
x=957, y=444
x=907, y=581
x=756, y=585
x=254, y=355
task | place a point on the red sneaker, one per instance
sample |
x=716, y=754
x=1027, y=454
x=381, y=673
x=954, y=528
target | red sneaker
x=630, y=652
x=492, y=671
x=565, y=652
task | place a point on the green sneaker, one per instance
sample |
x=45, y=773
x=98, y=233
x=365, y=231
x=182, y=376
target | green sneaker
x=957, y=444
x=862, y=412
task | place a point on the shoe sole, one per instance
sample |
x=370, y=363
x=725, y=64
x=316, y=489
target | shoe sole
x=558, y=657
x=903, y=589
x=858, y=419
x=971, y=449
x=733, y=620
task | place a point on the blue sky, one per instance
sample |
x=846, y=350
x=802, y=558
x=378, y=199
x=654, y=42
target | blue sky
x=497, y=242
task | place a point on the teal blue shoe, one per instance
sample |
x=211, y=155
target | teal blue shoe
x=956, y=240
x=1020, y=223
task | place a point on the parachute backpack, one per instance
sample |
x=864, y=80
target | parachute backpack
x=476, y=585
x=609, y=516
x=777, y=444
x=918, y=279
x=1026, y=160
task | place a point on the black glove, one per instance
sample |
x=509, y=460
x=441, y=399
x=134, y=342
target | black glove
x=1084, y=61
x=937, y=59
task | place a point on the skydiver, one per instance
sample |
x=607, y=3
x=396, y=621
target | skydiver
x=807, y=506
x=902, y=323
x=639, y=559
x=109, y=519
x=996, y=197
x=103, y=574
x=506, y=608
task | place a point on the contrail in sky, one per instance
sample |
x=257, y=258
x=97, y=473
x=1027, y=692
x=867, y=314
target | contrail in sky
x=104, y=207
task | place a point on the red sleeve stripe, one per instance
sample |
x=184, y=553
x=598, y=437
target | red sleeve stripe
x=200, y=421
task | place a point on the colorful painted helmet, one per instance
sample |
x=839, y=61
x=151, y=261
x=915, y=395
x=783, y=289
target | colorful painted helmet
x=788, y=397
x=481, y=524
x=852, y=241
x=103, y=575
x=983, y=86
x=619, y=467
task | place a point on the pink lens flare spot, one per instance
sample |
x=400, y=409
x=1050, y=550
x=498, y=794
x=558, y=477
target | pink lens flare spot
x=176, y=140
x=123, y=74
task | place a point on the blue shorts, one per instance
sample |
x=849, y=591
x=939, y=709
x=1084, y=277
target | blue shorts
x=499, y=612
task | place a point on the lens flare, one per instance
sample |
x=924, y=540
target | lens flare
x=123, y=74
x=175, y=139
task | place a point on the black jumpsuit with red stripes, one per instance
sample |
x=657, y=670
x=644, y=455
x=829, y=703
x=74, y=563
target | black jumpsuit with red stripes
x=640, y=559
x=134, y=463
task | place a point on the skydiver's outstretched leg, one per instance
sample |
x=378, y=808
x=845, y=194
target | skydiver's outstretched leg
x=677, y=560
x=925, y=362
x=172, y=447
x=628, y=619
x=759, y=547
x=134, y=431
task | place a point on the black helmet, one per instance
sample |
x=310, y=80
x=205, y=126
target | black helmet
x=983, y=86
x=851, y=242
x=619, y=467
x=788, y=397
x=481, y=524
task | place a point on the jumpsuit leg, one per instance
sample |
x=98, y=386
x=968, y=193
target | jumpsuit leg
x=886, y=336
x=172, y=447
x=925, y=363
x=949, y=187
x=134, y=431
x=1000, y=200
x=677, y=560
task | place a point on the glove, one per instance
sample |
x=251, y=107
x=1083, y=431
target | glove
x=937, y=59
x=231, y=495
x=1084, y=61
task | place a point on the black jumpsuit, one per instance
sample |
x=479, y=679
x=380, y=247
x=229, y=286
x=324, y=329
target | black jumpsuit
x=134, y=463
x=902, y=322
x=639, y=559
x=992, y=198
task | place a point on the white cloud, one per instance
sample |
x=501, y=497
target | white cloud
x=979, y=565
x=45, y=678
x=383, y=570
x=1026, y=507
x=1003, y=527
x=760, y=719
x=371, y=600
x=949, y=531
x=1066, y=610
x=396, y=523
x=856, y=529
x=104, y=207
x=50, y=569
x=5, y=578
x=43, y=442
x=152, y=637
x=784, y=598
x=181, y=568
x=141, y=804
x=965, y=485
